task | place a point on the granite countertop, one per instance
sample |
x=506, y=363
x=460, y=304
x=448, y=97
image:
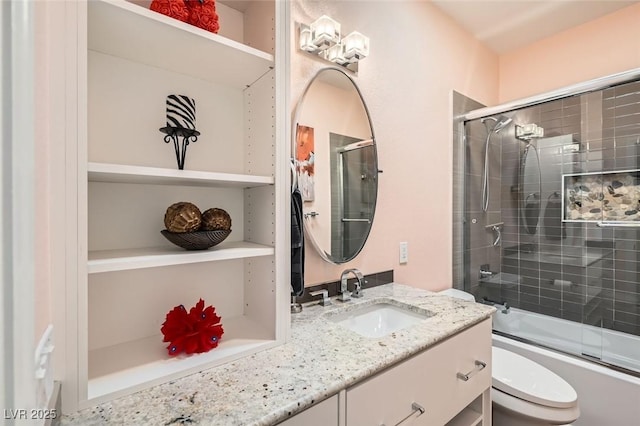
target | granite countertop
x=321, y=359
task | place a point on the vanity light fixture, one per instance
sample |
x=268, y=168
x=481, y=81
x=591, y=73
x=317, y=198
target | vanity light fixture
x=323, y=39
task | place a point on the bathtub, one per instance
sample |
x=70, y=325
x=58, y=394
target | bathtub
x=610, y=346
x=606, y=396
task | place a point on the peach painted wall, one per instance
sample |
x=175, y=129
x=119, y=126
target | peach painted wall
x=598, y=48
x=418, y=56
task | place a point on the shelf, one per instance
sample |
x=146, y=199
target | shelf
x=467, y=417
x=135, y=364
x=117, y=173
x=132, y=32
x=122, y=260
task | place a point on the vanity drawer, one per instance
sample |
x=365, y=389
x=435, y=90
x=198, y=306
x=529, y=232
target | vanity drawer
x=429, y=379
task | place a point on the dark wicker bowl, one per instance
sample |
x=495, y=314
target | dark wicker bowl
x=198, y=240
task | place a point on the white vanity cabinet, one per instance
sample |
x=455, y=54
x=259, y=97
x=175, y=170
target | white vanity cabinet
x=121, y=176
x=325, y=413
x=431, y=380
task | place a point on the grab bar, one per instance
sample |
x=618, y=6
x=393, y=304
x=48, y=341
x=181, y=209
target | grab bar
x=356, y=220
x=618, y=224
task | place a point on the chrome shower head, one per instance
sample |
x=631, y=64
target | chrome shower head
x=501, y=122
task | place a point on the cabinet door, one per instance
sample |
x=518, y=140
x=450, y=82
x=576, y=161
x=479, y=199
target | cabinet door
x=322, y=414
x=429, y=379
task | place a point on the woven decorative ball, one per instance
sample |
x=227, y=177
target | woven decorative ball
x=182, y=217
x=215, y=219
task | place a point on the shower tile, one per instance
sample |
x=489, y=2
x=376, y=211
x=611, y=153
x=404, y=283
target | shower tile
x=573, y=294
x=627, y=110
x=609, y=122
x=531, y=307
x=551, y=302
x=628, y=151
x=550, y=270
x=626, y=265
x=529, y=283
x=631, y=98
x=551, y=293
x=626, y=328
x=627, y=286
x=547, y=116
x=550, y=106
x=627, y=141
x=572, y=129
x=571, y=316
x=574, y=110
x=571, y=100
x=629, y=130
x=547, y=277
x=627, y=88
x=629, y=244
x=530, y=290
x=551, y=311
x=608, y=133
x=568, y=306
x=551, y=124
x=627, y=120
x=608, y=93
x=629, y=318
x=625, y=307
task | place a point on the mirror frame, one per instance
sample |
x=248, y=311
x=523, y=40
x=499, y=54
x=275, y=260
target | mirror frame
x=324, y=255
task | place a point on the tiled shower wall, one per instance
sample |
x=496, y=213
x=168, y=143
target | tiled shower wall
x=575, y=271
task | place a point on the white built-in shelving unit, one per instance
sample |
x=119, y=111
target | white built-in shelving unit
x=128, y=59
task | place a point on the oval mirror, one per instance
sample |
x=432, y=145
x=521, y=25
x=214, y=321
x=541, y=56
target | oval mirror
x=531, y=184
x=336, y=165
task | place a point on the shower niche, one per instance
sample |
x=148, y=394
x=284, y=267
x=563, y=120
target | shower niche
x=602, y=197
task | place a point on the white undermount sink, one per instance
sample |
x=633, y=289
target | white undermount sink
x=379, y=319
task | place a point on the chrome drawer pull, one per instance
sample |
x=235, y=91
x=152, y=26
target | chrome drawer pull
x=418, y=410
x=479, y=366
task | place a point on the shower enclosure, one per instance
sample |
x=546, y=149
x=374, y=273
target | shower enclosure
x=547, y=217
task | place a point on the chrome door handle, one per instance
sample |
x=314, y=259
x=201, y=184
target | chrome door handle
x=417, y=411
x=479, y=366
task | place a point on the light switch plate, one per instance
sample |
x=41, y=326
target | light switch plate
x=404, y=252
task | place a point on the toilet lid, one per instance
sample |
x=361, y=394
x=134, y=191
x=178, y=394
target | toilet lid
x=520, y=377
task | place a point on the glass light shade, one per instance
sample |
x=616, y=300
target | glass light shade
x=335, y=54
x=356, y=46
x=305, y=40
x=325, y=31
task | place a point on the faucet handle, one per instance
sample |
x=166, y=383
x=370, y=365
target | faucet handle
x=345, y=296
x=324, y=301
x=357, y=291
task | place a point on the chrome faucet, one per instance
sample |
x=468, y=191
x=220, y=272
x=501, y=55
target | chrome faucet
x=502, y=307
x=345, y=294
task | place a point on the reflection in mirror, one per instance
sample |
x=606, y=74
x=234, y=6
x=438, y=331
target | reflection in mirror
x=336, y=165
x=530, y=184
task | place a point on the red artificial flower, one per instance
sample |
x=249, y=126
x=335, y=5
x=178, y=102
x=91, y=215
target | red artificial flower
x=202, y=14
x=196, y=331
x=174, y=8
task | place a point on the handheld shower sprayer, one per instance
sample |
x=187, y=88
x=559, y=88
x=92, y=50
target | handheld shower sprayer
x=500, y=123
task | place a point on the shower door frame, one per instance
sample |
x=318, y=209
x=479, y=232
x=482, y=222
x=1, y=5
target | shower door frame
x=461, y=268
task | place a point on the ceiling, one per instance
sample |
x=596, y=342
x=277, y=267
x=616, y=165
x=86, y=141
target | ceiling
x=510, y=24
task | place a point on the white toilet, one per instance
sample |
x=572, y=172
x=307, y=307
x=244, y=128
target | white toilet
x=525, y=393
